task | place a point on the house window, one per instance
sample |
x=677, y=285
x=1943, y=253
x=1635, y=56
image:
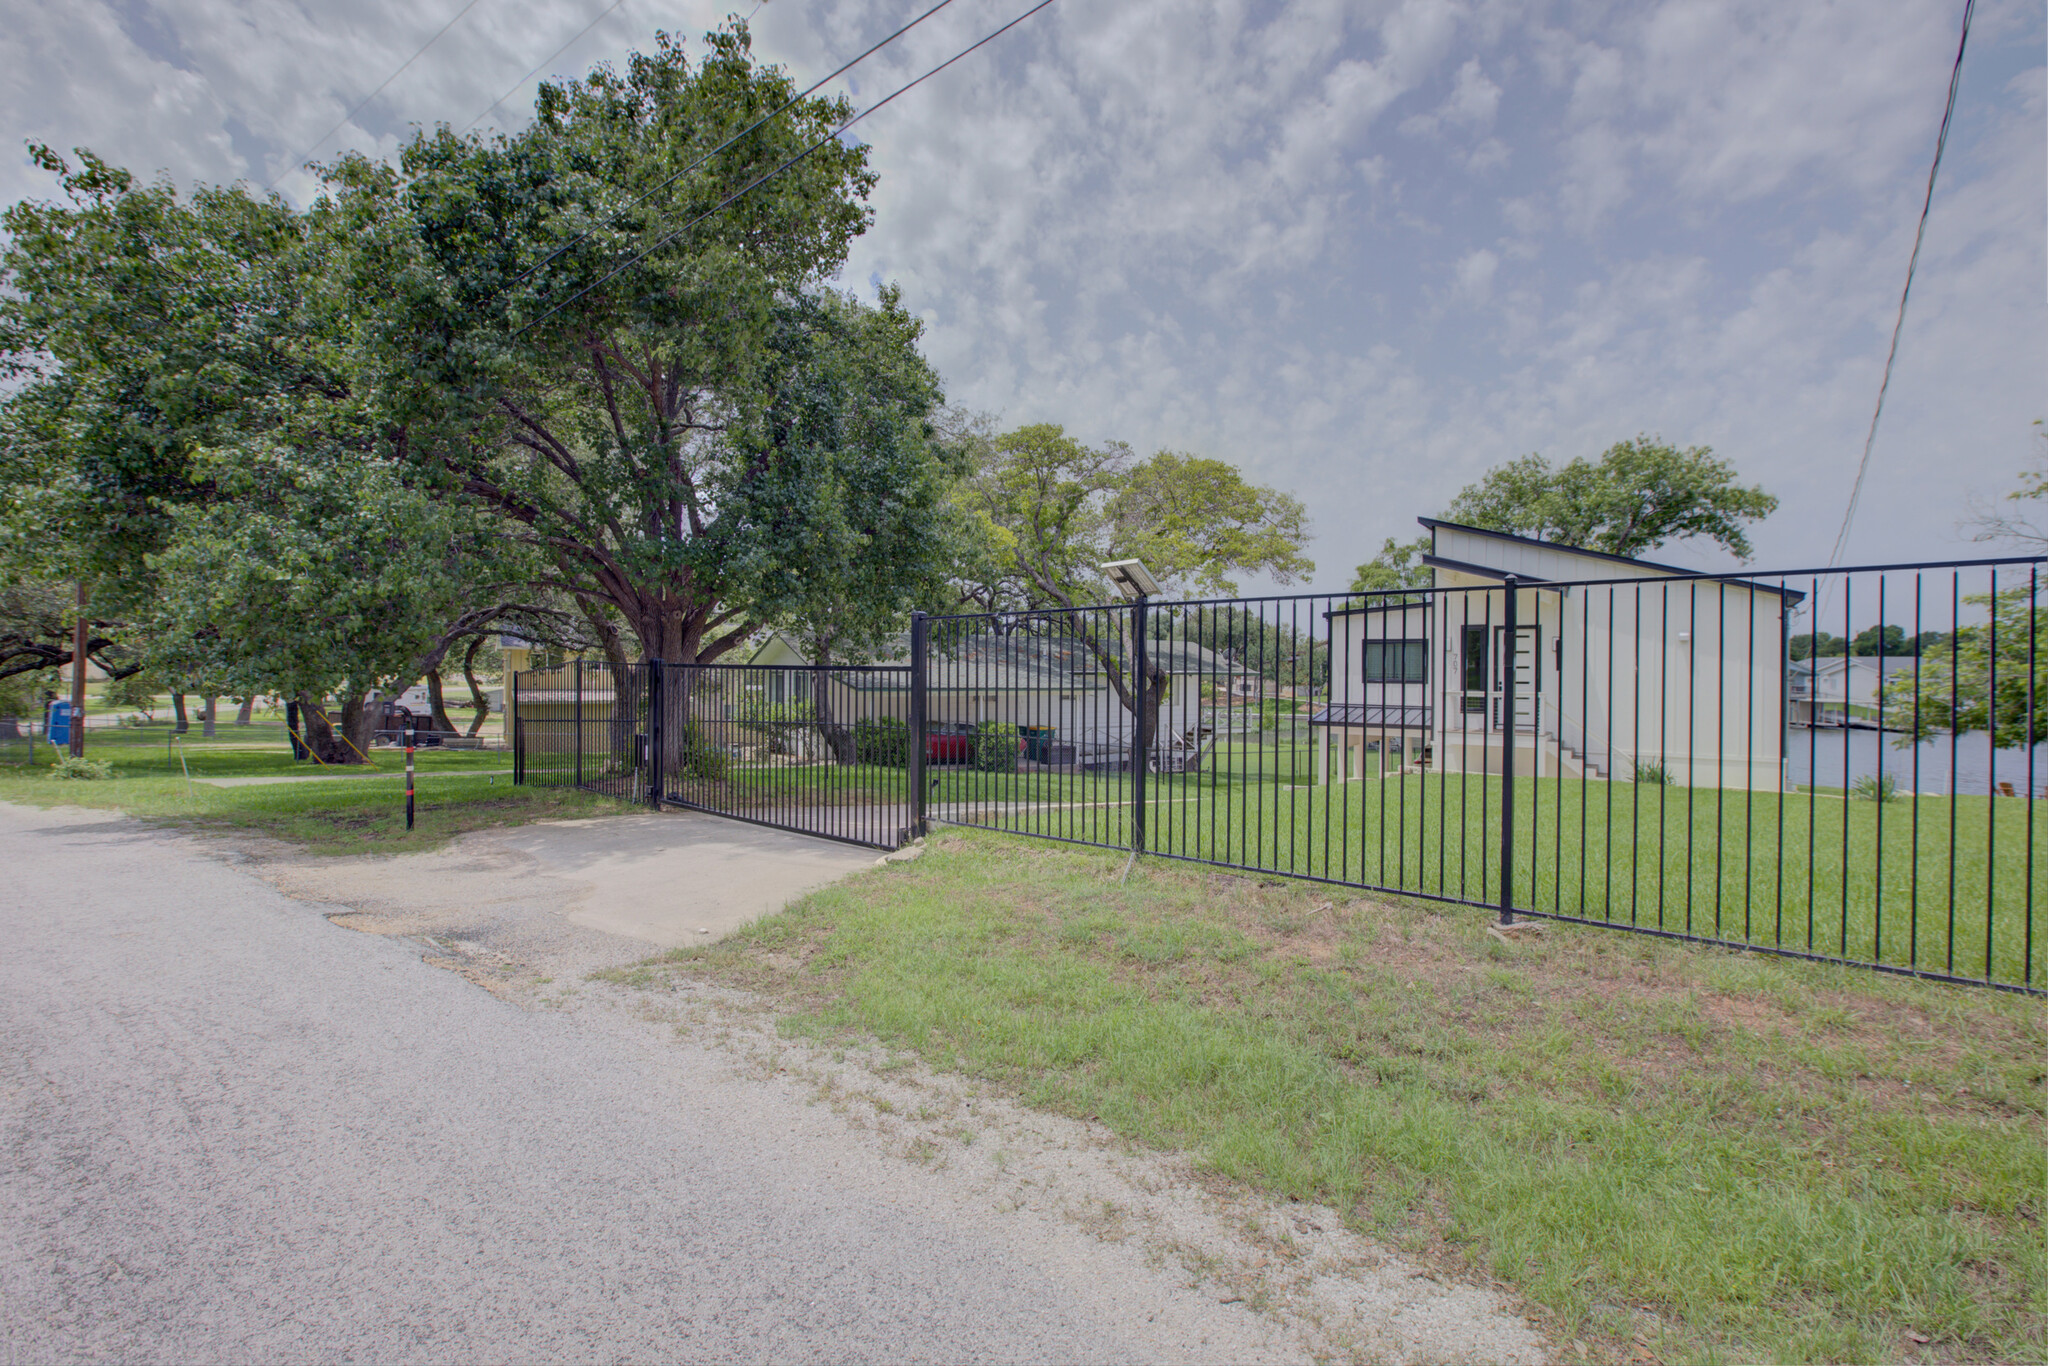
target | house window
x=1475, y=668
x=1397, y=661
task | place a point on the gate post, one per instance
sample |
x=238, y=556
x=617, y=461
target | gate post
x=1140, y=756
x=579, y=719
x=920, y=639
x=1509, y=644
x=654, y=733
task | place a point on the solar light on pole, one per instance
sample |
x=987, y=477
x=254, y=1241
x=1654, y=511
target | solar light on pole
x=1132, y=579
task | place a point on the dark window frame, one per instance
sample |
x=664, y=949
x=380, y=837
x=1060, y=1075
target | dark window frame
x=1420, y=650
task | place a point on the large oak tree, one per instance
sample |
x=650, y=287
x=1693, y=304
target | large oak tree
x=609, y=330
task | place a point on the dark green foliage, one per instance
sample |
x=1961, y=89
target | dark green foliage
x=1817, y=645
x=1637, y=496
x=995, y=747
x=883, y=740
x=702, y=759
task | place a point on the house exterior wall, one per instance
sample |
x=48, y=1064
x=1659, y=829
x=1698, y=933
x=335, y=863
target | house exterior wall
x=1356, y=751
x=1688, y=675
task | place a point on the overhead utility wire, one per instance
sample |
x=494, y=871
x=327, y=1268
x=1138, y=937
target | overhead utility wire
x=794, y=100
x=300, y=159
x=770, y=175
x=602, y=16
x=1940, y=144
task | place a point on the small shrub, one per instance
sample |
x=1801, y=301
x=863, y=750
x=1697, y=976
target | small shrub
x=884, y=740
x=1655, y=775
x=1874, y=788
x=781, y=725
x=995, y=747
x=82, y=770
x=701, y=758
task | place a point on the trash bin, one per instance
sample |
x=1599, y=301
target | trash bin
x=1037, y=742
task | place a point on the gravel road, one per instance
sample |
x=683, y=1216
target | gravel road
x=235, y=1132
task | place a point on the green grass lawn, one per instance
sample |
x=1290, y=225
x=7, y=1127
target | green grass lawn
x=1780, y=1161
x=257, y=750
x=341, y=811
x=1806, y=872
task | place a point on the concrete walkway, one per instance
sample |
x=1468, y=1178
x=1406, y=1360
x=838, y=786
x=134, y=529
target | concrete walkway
x=578, y=894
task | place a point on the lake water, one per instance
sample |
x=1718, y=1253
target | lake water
x=1821, y=752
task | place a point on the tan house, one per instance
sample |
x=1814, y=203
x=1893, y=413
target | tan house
x=1613, y=671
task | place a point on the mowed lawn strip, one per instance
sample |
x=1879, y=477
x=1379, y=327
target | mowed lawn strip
x=1776, y=1161
x=1815, y=874
x=327, y=817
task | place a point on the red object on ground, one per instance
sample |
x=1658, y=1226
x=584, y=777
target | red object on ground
x=947, y=749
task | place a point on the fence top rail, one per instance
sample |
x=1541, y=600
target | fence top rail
x=1768, y=580
x=802, y=668
x=607, y=666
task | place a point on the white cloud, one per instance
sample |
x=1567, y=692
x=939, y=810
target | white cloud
x=1267, y=231
x=1475, y=276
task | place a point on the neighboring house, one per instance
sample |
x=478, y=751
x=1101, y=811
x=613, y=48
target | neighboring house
x=1608, y=677
x=1842, y=690
x=1026, y=680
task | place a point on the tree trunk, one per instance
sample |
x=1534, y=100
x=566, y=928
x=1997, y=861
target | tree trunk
x=359, y=719
x=438, y=704
x=319, y=733
x=679, y=726
x=837, y=736
x=1156, y=681
x=178, y=706
x=477, y=699
x=247, y=713
x=206, y=717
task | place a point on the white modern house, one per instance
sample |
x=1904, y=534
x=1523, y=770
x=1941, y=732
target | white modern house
x=1617, y=665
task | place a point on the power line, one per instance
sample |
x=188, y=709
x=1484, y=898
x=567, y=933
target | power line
x=793, y=101
x=300, y=159
x=602, y=16
x=769, y=175
x=1940, y=145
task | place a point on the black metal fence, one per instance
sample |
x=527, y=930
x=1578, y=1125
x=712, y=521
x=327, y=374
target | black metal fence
x=823, y=751
x=1836, y=765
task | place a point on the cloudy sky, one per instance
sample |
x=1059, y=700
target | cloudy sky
x=1364, y=250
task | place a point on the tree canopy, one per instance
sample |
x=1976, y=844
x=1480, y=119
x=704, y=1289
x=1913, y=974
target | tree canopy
x=1639, y=495
x=1985, y=677
x=1050, y=509
x=620, y=350
x=572, y=366
x=1045, y=510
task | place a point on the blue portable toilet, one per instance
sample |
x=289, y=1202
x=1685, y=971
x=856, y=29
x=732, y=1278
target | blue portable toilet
x=57, y=729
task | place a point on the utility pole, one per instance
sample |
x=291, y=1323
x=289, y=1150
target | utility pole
x=78, y=642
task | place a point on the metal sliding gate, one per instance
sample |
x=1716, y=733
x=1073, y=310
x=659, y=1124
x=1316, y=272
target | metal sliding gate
x=1839, y=765
x=820, y=751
